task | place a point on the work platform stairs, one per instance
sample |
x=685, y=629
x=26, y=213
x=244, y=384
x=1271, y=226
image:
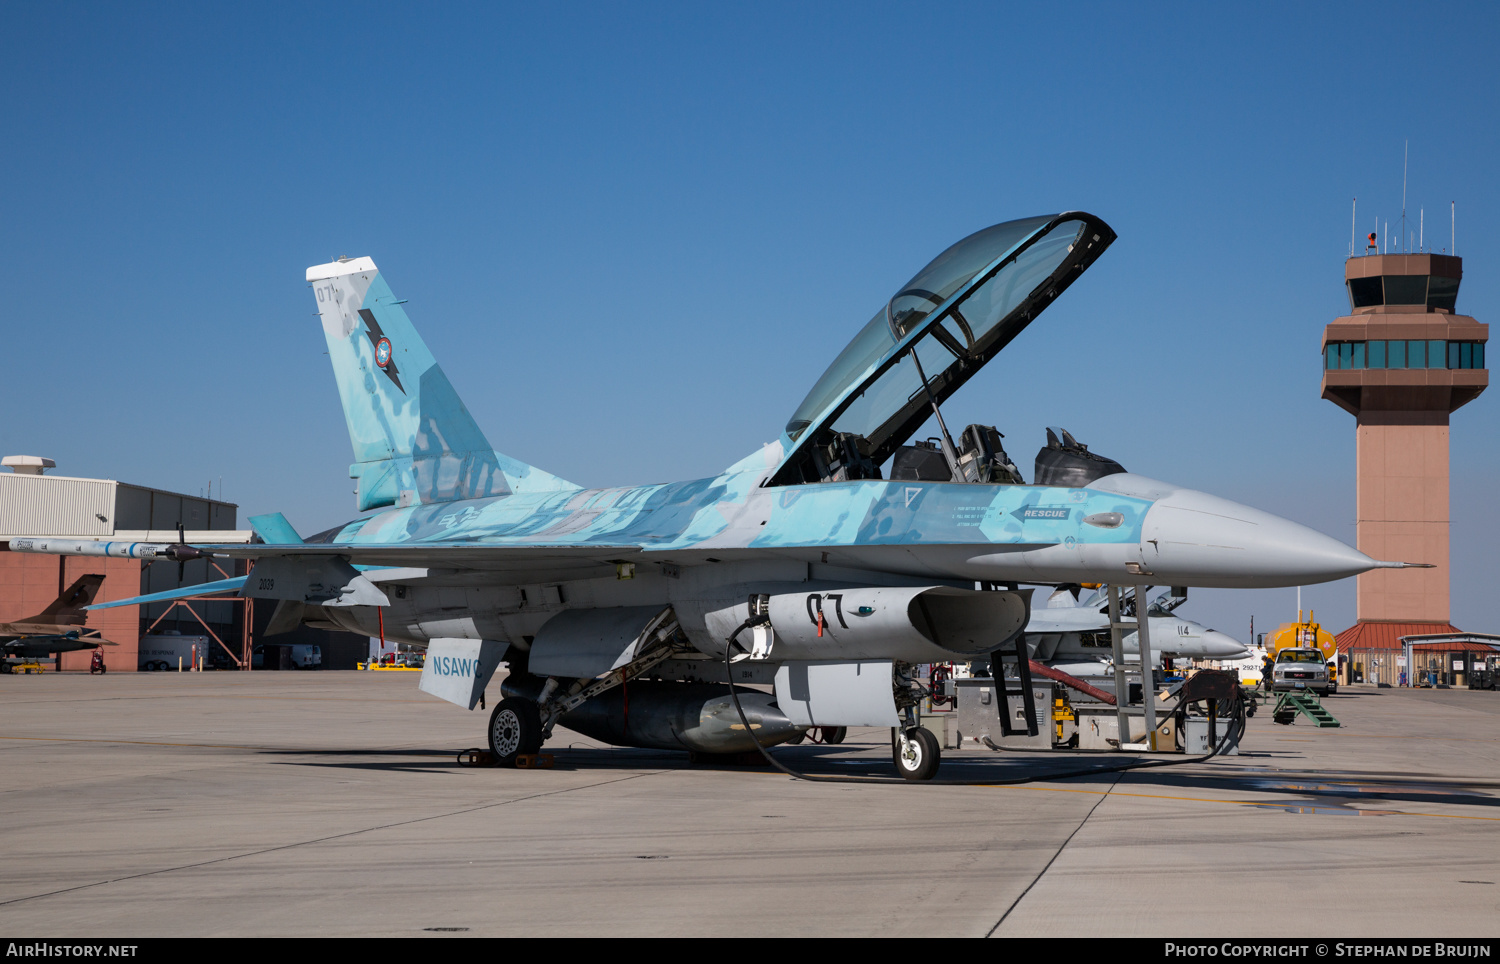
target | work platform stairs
x=1290, y=704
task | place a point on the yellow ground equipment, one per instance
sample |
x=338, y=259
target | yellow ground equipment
x=1301, y=634
x=1062, y=714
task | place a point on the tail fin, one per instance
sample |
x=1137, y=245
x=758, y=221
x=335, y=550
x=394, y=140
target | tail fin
x=67, y=608
x=273, y=529
x=414, y=441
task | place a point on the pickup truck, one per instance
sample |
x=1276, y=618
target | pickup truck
x=1299, y=668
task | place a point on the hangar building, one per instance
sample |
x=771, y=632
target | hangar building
x=35, y=503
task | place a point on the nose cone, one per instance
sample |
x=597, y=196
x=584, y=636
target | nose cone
x=1180, y=637
x=1191, y=538
x=1217, y=645
x=1201, y=537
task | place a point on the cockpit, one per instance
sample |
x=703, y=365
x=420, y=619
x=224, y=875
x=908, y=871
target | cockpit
x=930, y=338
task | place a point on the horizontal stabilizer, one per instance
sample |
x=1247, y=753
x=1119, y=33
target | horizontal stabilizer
x=202, y=589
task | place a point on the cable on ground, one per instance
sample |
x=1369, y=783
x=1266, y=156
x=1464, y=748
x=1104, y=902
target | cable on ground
x=1237, y=725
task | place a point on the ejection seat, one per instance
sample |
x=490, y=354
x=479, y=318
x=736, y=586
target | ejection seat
x=1068, y=462
x=981, y=458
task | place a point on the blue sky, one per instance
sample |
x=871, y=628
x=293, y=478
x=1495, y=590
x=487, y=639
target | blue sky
x=634, y=234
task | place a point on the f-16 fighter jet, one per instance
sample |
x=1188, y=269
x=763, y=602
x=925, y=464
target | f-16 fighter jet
x=825, y=564
x=57, y=629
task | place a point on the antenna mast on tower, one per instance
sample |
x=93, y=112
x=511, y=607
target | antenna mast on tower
x=1405, y=157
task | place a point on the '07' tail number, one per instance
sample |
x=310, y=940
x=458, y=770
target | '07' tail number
x=815, y=608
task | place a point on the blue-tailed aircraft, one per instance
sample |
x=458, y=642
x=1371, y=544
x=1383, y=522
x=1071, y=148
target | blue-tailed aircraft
x=836, y=558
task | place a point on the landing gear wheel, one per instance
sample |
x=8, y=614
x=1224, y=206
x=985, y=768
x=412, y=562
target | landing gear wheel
x=515, y=728
x=797, y=739
x=834, y=735
x=916, y=753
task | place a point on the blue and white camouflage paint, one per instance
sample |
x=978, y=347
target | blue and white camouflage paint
x=453, y=511
x=414, y=440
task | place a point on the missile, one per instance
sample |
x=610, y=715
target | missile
x=173, y=551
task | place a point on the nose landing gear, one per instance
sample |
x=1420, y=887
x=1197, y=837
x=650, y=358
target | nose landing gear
x=915, y=752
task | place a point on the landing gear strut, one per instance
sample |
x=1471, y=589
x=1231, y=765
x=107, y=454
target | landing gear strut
x=519, y=726
x=915, y=751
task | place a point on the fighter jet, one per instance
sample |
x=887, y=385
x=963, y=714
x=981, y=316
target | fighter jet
x=57, y=629
x=1072, y=628
x=824, y=565
x=1071, y=634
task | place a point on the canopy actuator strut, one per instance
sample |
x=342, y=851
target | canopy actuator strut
x=950, y=452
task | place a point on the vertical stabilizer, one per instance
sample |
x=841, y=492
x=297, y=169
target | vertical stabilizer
x=414, y=440
x=274, y=529
x=68, y=608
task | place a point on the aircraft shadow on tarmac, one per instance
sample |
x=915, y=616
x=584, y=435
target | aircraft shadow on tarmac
x=1343, y=792
x=391, y=760
x=853, y=760
x=1326, y=792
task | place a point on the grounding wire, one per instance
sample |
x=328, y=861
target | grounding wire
x=753, y=620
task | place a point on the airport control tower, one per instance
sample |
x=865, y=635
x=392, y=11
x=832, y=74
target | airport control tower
x=1401, y=363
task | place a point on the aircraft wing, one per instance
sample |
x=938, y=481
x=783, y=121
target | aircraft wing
x=442, y=555
x=517, y=562
x=42, y=646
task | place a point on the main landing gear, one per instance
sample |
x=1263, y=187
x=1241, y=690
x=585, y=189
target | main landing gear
x=515, y=728
x=519, y=726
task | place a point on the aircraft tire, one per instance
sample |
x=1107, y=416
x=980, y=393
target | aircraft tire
x=515, y=728
x=916, y=753
x=797, y=739
x=834, y=735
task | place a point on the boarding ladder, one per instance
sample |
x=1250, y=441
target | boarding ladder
x=1307, y=704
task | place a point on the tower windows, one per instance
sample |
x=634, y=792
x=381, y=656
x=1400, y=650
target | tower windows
x=1342, y=355
x=1436, y=292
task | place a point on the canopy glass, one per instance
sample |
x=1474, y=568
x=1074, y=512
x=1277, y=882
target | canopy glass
x=946, y=322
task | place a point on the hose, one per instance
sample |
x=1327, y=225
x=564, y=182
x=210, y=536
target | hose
x=754, y=620
x=1059, y=676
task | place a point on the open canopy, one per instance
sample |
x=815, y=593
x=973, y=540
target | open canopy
x=946, y=323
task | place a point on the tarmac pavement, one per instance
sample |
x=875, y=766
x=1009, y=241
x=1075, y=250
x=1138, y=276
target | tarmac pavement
x=326, y=804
